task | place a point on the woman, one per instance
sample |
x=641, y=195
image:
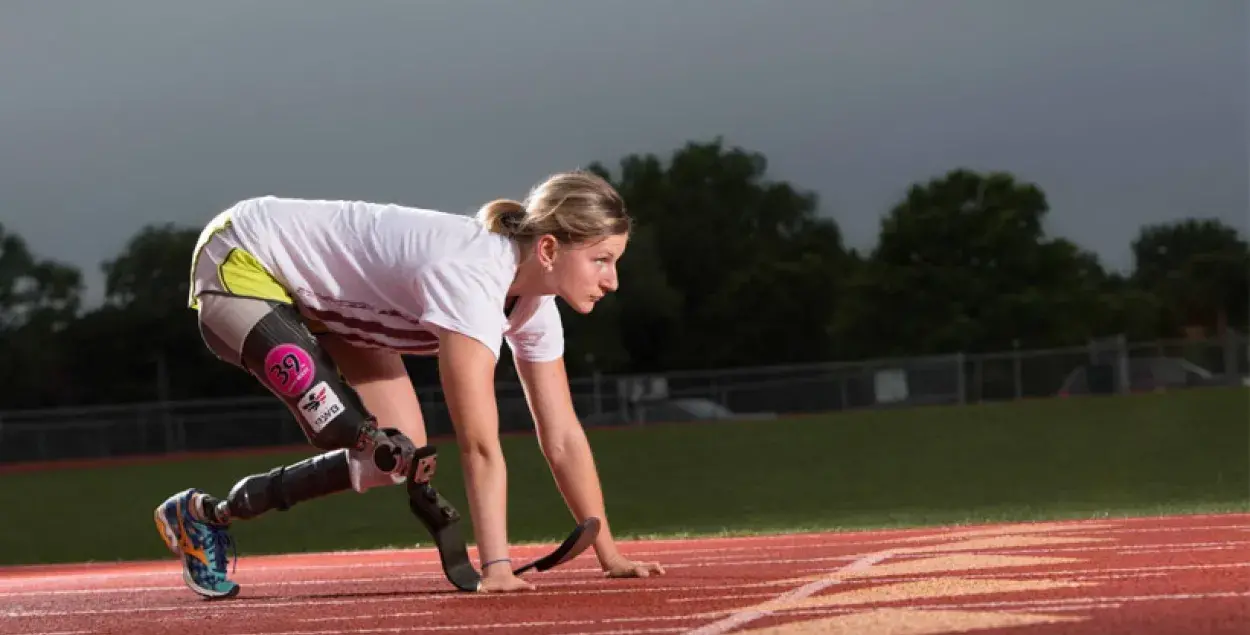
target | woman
x=319, y=300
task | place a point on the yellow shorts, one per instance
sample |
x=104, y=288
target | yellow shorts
x=220, y=265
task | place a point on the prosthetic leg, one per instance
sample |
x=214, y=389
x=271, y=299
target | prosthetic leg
x=441, y=520
x=284, y=355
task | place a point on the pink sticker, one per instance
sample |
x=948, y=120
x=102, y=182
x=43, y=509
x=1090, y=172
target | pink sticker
x=290, y=369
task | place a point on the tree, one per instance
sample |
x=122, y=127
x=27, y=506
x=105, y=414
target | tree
x=1129, y=310
x=34, y=291
x=39, y=299
x=1200, y=271
x=727, y=266
x=723, y=233
x=144, y=331
x=153, y=271
x=963, y=264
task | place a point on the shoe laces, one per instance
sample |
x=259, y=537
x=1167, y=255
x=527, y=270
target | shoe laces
x=221, y=541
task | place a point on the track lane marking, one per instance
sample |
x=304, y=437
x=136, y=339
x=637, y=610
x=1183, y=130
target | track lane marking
x=745, y=616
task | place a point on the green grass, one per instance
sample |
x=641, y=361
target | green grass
x=1170, y=453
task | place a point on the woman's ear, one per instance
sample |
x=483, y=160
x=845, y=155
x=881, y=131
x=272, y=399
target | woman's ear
x=545, y=248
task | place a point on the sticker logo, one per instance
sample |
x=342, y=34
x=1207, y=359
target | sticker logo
x=425, y=469
x=289, y=368
x=320, y=406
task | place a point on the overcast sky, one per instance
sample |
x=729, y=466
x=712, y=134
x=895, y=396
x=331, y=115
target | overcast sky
x=119, y=113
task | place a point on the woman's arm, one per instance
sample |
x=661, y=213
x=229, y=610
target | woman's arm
x=564, y=444
x=467, y=371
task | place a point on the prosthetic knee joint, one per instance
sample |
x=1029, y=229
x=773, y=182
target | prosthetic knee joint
x=286, y=357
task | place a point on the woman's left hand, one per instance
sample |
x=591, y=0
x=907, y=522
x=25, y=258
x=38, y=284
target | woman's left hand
x=622, y=567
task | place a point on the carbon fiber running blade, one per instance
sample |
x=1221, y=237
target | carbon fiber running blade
x=582, y=537
x=455, y=559
x=443, y=523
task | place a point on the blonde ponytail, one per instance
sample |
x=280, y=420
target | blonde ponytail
x=575, y=207
x=502, y=216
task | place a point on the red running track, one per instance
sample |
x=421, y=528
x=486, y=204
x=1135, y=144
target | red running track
x=1171, y=575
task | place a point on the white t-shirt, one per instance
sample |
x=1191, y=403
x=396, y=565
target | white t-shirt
x=389, y=276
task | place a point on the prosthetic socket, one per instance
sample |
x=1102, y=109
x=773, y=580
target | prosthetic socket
x=282, y=353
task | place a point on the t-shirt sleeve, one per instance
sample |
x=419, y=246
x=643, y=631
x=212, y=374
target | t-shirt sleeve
x=541, y=337
x=464, y=299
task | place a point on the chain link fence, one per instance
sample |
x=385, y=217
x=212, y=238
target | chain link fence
x=1106, y=366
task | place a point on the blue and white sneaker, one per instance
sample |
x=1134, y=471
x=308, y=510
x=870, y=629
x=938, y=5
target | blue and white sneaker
x=201, y=546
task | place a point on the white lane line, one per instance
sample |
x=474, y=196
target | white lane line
x=230, y=607
x=1156, y=548
x=427, y=556
x=1077, y=603
x=14, y=579
x=626, y=631
x=343, y=618
x=415, y=597
x=1062, y=604
x=245, y=581
x=743, y=617
x=723, y=598
x=446, y=627
x=1097, y=573
x=1183, y=547
x=242, y=581
x=834, y=543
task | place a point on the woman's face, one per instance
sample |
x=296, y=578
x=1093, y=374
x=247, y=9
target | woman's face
x=583, y=274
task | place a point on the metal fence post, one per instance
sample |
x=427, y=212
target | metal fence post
x=1230, y=356
x=1015, y=369
x=978, y=374
x=598, y=391
x=1121, y=342
x=961, y=380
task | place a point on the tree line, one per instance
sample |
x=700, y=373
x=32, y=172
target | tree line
x=727, y=267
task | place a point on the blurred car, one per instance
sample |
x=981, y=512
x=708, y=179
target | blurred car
x=1145, y=374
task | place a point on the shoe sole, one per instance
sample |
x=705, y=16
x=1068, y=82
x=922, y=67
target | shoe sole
x=211, y=595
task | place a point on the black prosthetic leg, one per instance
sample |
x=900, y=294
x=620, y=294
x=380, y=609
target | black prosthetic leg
x=282, y=487
x=286, y=357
